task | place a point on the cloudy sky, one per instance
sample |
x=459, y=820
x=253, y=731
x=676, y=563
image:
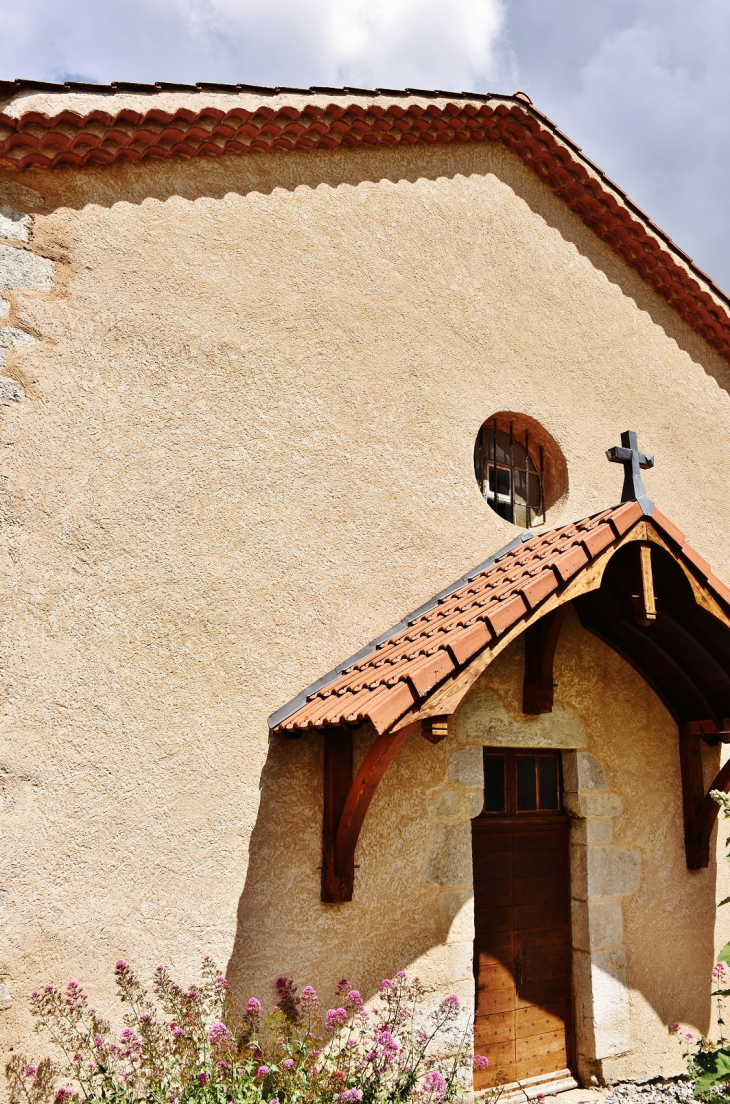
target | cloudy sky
x=642, y=85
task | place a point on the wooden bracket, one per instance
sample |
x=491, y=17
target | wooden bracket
x=700, y=810
x=347, y=800
x=541, y=640
x=435, y=729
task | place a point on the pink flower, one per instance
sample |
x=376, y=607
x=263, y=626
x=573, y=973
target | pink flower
x=450, y=1005
x=480, y=1062
x=262, y=1072
x=335, y=1018
x=401, y=974
x=253, y=1009
x=280, y=1041
x=673, y=1028
x=122, y=965
x=203, y=1078
x=62, y=1096
x=288, y=1063
x=220, y=1036
x=385, y=985
x=30, y=1071
x=354, y=999
x=309, y=998
x=350, y=1096
x=434, y=1085
x=718, y=972
x=689, y=1037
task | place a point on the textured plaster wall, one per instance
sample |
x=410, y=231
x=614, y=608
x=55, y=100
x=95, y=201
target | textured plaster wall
x=237, y=443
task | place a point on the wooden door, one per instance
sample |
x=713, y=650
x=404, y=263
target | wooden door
x=522, y=948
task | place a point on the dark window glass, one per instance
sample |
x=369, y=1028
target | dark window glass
x=526, y=783
x=494, y=784
x=547, y=766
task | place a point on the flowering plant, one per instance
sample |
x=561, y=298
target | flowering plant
x=708, y=1061
x=190, y=1045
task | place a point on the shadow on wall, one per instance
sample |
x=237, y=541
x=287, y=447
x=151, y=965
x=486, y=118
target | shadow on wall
x=232, y=176
x=284, y=928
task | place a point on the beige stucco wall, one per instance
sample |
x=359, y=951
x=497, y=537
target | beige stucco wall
x=244, y=449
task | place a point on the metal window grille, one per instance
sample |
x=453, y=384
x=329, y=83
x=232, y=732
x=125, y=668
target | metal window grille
x=509, y=478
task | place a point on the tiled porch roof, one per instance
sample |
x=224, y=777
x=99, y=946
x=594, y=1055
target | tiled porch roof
x=401, y=668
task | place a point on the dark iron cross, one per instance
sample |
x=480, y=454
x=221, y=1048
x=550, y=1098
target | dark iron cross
x=627, y=453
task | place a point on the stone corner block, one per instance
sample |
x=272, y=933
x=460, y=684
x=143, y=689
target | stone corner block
x=466, y=767
x=582, y=771
x=19, y=268
x=10, y=391
x=457, y=915
x=592, y=804
x=613, y=872
x=448, y=859
x=14, y=225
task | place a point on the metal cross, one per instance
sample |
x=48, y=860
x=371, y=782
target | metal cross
x=627, y=453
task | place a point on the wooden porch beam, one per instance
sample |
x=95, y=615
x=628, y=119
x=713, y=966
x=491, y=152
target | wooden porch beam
x=700, y=810
x=541, y=639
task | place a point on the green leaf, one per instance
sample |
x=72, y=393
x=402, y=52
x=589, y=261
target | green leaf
x=714, y=1067
x=725, y=900
x=724, y=955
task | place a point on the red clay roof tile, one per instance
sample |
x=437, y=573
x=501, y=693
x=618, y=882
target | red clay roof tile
x=406, y=666
x=35, y=139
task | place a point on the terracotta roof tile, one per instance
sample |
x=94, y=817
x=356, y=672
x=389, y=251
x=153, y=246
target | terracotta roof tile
x=39, y=140
x=405, y=666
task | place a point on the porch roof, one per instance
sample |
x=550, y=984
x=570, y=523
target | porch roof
x=392, y=677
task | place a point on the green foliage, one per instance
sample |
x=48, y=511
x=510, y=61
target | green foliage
x=708, y=1063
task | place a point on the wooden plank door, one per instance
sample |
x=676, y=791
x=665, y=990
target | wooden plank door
x=522, y=948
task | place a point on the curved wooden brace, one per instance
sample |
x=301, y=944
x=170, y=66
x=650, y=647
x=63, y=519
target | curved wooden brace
x=341, y=832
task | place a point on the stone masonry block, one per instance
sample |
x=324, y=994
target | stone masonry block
x=582, y=771
x=612, y=872
x=587, y=804
x=4, y=308
x=10, y=337
x=457, y=915
x=598, y=831
x=475, y=802
x=467, y=767
x=21, y=269
x=448, y=860
x=461, y=961
x=10, y=391
x=597, y=925
x=14, y=225
x=450, y=804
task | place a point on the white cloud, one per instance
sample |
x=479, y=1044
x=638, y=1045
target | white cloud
x=648, y=100
x=424, y=43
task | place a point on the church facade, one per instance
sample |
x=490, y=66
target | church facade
x=291, y=376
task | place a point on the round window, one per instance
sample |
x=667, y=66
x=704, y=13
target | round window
x=519, y=468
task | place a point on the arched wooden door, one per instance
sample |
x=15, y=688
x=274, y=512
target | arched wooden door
x=522, y=948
